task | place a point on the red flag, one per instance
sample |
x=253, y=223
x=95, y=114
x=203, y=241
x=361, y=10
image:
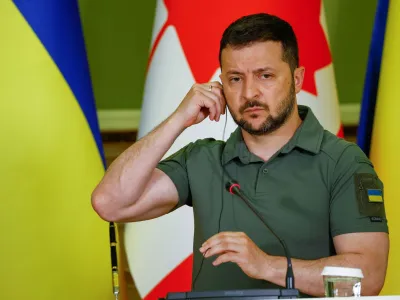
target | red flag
x=185, y=47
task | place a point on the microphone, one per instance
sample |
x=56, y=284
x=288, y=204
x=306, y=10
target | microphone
x=234, y=188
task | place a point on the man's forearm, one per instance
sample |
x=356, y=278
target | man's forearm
x=128, y=175
x=307, y=273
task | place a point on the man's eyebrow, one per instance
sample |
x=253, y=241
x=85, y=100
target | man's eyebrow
x=259, y=70
x=234, y=72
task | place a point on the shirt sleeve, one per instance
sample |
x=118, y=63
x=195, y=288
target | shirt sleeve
x=175, y=168
x=357, y=200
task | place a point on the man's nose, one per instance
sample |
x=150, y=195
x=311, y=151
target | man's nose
x=250, y=89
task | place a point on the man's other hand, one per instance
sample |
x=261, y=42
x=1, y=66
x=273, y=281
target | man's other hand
x=238, y=248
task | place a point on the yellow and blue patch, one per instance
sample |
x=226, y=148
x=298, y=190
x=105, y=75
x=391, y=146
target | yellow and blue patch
x=375, y=195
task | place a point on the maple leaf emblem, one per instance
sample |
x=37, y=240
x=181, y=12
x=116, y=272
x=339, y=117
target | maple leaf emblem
x=200, y=24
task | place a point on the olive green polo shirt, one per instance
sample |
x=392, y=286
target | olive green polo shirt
x=314, y=188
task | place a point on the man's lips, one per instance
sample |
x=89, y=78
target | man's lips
x=253, y=109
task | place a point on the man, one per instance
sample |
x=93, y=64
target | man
x=313, y=188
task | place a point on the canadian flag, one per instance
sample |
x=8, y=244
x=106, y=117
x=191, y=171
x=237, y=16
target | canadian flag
x=184, y=50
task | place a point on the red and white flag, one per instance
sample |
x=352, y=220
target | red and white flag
x=184, y=50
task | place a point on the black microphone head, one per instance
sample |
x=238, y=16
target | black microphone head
x=232, y=186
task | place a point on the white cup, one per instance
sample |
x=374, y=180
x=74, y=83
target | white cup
x=342, y=282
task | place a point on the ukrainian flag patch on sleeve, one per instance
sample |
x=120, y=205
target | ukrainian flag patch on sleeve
x=375, y=195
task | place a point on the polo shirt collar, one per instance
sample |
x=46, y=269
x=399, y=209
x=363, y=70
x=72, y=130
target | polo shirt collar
x=236, y=147
x=307, y=137
x=309, y=134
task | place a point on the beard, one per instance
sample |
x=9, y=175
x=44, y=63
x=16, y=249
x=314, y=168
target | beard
x=270, y=123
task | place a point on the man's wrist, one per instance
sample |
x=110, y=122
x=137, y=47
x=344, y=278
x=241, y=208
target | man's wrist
x=268, y=270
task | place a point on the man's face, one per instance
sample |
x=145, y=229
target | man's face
x=259, y=87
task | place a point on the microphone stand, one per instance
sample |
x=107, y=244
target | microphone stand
x=234, y=188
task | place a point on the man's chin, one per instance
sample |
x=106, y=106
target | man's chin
x=254, y=130
x=255, y=124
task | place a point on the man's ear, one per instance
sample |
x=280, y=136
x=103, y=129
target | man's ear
x=298, y=78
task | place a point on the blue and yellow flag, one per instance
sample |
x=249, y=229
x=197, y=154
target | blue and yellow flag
x=53, y=245
x=385, y=137
x=371, y=82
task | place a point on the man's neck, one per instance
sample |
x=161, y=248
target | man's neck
x=265, y=146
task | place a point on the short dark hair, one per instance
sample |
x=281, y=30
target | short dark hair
x=262, y=27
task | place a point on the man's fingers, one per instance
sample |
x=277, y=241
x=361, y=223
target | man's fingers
x=221, y=97
x=225, y=246
x=211, y=106
x=216, y=102
x=216, y=88
x=228, y=236
x=212, y=86
x=225, y=234
x=227, y=257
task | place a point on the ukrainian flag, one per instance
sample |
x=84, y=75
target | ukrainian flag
x=385, y=128
x=53, y=245
x=375, y=195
